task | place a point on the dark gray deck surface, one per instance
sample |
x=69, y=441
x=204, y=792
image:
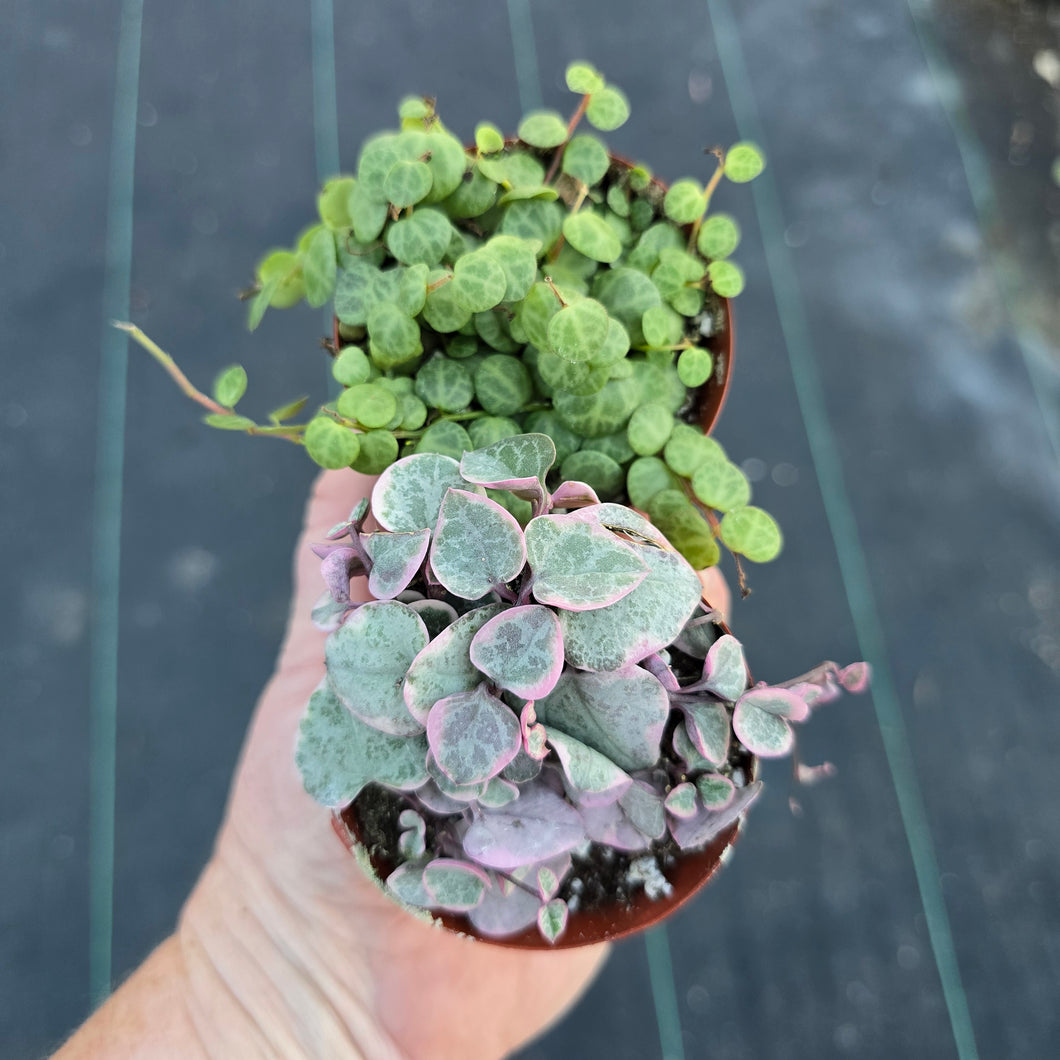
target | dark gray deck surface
x=897, y=417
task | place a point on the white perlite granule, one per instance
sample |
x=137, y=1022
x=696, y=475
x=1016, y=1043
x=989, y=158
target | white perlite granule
x=646, y=870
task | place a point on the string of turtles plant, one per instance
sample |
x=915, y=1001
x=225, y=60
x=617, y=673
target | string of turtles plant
x=515, y=696
x=533, y=285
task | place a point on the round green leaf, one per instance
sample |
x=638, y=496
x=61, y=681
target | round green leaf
x=379, y=449
x=543, y=128
x=230, y=385
x=351, y=366
x=573, y=377
x=743, y=162
x=627, y=294
x=473, y=196
x=684, y=202
x=583, y=79
x=578, y=331
x=488, y=138
x=491, y=429
x=534, y=219
x=369, y=404
x=413, y=413
x=722, y=485
x=608, y=108
x=368, y=212
x=330, y=444
x=719, y=236
x=479, y=282
x=502, y=385
x=751, y=532
x=585, y=159
x=447, y=161
x=649, y=428
x=224, y=421
x=547, y=422
x=617, y=201
x=319, y=268
x=412, y=289
x=367, y=659
x=597, y=470
x=662, y=326
x=694, y=366
x=333, y=203
x=647, y=476
x=444, y=384
x=726, y=277
x=360, y=287
x=688, y=448
x=685, y=528
x=521, y=650
x=423, y=237
x=394, y=336
x=445, y=437
x=602, y=413
x=518, y=258
x=536, y=311
x=441, y=310
x=407, y=183
x=592, y=236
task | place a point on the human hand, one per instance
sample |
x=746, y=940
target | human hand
x=286, y=941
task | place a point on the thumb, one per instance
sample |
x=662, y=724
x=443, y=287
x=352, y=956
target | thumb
x=334, y=495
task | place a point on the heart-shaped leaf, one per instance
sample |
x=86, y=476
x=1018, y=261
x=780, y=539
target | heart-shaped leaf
x=621, y=714
x=644, y=807
x=687, y=751
x=593, y=776
x=472, y=735
x=715, y=790
x=642, y=622
x=477, y=545
x=761, y=732
x=338, y=755
x=521, y=649
x=454, y=885
x=368, y=657
x=552, y=919
x=725, y=669
x=708, y=727
x=681, y=801
x=578, y=565
x=778, y=701
x=499, y=792
x=701, y=829
x=432, y=796
x=505, y=909
x=395, y=560
x=406, y=882
x=539, y=825
x=623, y=521
x=460, y=793
x=574, y=495
x=518, y=464
x=444, y=668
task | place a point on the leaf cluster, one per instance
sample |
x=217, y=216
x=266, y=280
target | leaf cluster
x=529, y=689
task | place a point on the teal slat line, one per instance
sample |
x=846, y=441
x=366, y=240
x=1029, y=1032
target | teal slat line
x=1035, y=356
x=664, y=993
x=106, y=522
x=325, y=119
x=527, y=76
x=843, y=525
x=325, y=109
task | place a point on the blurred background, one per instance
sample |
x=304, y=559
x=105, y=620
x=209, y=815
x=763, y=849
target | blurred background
x=896, y=402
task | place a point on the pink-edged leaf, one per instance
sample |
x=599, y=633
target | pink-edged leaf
x=625, y=522
x=354, y=522
x=477, y=545
x=657, y=666
x=518, y=464
x=539, y=825
x=578, y=565
x=524, y=767
x=681, y=801
x=715, y=790
x=443, y=667
x=395, y=560
x=708, y=726
x=644, y=807
x=762, y=733
x=813, y=694
x=406, y=882
x=327, y=615
x=642, y=622
x=593, y=776
x=454, y=885
x=435, y=800
x=699, y=634
x=339, y=564
x=574, y=494
x=472, y=735
x=856, y=677
x=552, y=919
x=725, y=670
x=411, y=845
x=813, y=774
x=534, y=735
x=558, y=866
x=521, y=649
x=610, y=824
x=408, y=494
x=621, y=714
x=779, y=701
x=505, y=910
x=702, y=828
x=463, y=793
x=499, y=792
x=687, y=751
x=367, y=659
x=547, y=883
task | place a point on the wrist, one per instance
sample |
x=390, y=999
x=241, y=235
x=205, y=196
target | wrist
x=258, y=983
